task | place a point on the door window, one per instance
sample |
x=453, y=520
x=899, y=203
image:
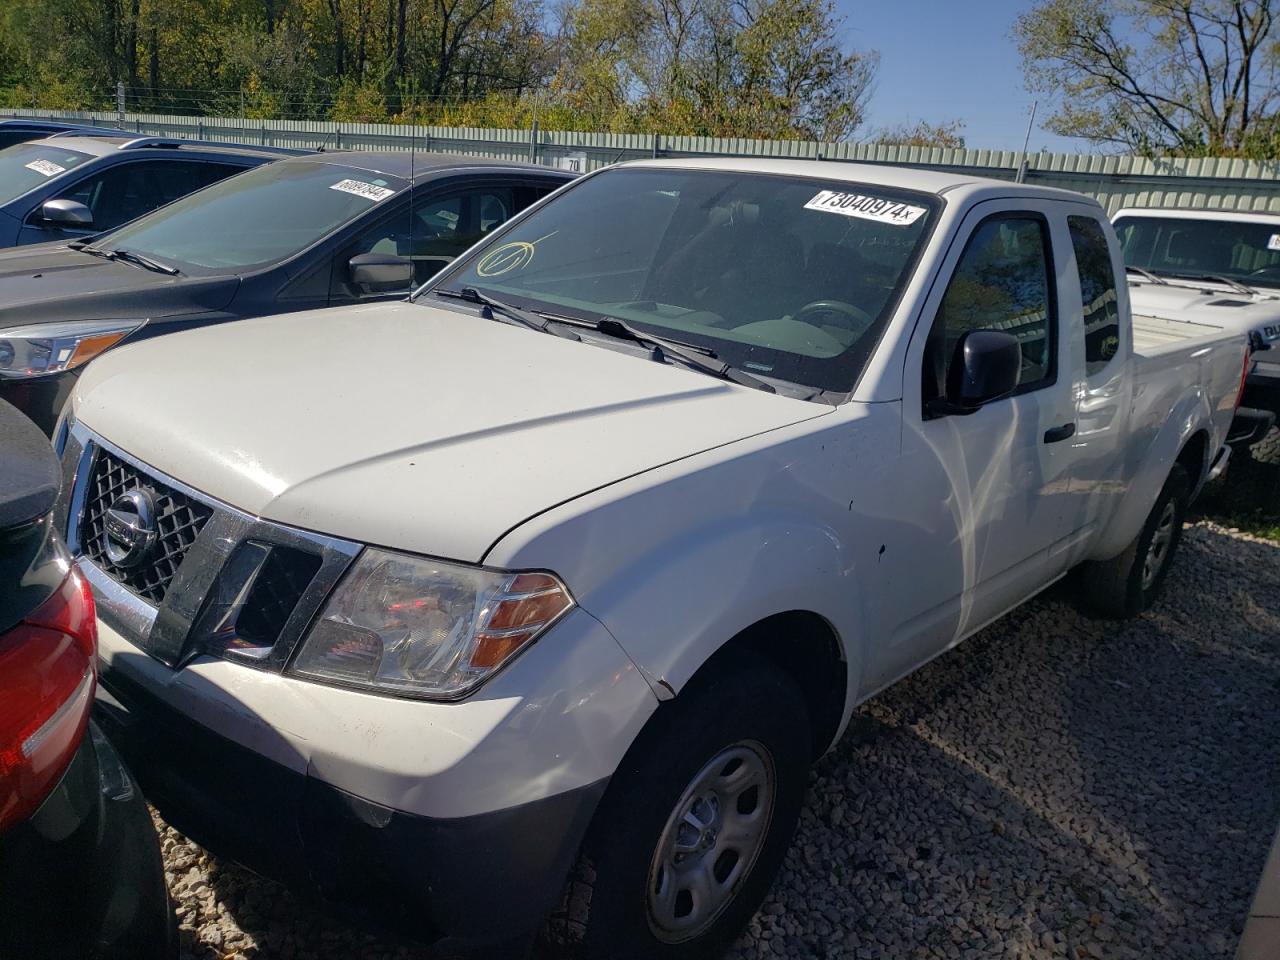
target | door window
x=1003, y=283
x=126, y=191
x=440, y=228
x=1097, y=292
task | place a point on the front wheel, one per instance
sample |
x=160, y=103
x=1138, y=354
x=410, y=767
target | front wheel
x=1128, y=584
x=695, y=823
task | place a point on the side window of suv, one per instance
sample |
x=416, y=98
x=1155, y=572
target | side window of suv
x=1002, y=282
x=441, y=227
x=1097, y=292
x=125, y=191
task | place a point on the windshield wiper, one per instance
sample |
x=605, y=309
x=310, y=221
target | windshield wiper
x=128, y=256
x=1144, y=274
x=521, y=316
x=1218, y=278
x=82, y=247
x=699, y=358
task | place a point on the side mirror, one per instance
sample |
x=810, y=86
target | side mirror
x=67, y=213
x=380, y=272
x=986, y=366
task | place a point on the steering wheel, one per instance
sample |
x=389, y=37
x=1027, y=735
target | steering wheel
x=856, y=320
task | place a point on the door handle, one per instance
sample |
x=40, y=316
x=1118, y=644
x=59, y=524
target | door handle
x=1058, y=434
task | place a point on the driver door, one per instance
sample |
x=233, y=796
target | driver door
x=989, y=489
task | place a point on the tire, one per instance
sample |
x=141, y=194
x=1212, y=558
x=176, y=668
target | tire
x=742, y=729
x=1267, y=450
x=1128, y=584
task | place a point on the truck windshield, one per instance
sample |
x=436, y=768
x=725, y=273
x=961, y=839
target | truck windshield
x=25, y=166
x=1194, y=248
x=786, y=277
x=256, y=218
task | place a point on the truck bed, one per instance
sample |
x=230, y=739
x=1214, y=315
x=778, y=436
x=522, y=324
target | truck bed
x=1156, y=335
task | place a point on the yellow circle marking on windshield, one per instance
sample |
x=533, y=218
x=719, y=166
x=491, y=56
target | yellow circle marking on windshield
x=510, y=256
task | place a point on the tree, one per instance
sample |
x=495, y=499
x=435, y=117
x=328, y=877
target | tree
x=755, y=68
x=1157, y=76
x=949, y=133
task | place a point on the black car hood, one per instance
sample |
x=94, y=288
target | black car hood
x=52, y=282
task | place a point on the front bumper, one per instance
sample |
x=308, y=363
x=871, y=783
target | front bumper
x=83, y=876
x=466, y=882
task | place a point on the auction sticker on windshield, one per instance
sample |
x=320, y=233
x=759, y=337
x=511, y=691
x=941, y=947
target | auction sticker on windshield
x=46, y=167
x=362, y=189
x=866, y=208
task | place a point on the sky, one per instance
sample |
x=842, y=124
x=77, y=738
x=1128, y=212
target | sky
x=950, y=59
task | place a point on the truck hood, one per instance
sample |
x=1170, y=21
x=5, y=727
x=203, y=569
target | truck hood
x=53, y=282
x=1219, y=307
x=407, y=425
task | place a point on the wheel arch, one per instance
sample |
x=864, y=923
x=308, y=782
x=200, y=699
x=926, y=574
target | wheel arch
x=1195, y=457
x=806, y=647
x=1184, y=439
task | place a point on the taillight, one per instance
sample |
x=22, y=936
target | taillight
x=48, y=667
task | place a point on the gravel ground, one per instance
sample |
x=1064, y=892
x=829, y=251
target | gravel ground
x=1055, y=787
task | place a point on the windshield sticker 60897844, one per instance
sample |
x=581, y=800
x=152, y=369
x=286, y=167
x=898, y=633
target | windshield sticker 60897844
x=866, y=208
x=361, y=189
x=45, y=168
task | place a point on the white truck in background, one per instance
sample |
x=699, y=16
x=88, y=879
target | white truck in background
x=558, y=575
x=1219, y=268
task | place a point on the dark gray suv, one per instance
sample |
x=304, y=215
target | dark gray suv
x=73, y=185
x=316, y=231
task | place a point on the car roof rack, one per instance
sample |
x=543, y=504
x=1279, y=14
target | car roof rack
x=139, y=143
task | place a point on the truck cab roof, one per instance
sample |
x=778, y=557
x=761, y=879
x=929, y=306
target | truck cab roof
x=950, y=184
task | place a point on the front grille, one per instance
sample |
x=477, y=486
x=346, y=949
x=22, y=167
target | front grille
x=179, y=520
x=284, y=576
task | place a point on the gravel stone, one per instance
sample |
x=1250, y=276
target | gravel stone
x=1053, y=787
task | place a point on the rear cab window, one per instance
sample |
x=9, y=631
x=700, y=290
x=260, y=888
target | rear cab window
x=1097, y=292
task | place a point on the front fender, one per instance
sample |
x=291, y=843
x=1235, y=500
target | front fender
x=678, y=561
x=763, y=565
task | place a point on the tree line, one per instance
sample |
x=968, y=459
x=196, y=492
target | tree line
x=1154, y=77
x=759, y=68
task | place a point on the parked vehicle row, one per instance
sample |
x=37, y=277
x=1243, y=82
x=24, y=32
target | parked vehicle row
x=303, y=232
x=637, y=499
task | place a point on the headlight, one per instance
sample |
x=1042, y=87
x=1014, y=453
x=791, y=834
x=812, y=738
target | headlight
x=44, y=348
x=417, y=627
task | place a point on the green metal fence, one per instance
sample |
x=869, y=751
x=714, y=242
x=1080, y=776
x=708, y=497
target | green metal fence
x=1115, y=181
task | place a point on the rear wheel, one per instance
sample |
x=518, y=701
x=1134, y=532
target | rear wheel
x=695, y=824
x=1128, y=584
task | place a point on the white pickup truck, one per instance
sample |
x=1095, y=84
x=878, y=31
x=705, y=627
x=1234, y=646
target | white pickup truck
x=567, y=568
x=1216, y=267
